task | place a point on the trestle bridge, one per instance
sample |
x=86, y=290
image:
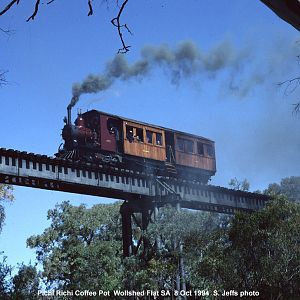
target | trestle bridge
x=143, y=192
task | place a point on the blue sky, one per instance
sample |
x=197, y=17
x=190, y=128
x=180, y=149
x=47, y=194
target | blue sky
x=256, y=134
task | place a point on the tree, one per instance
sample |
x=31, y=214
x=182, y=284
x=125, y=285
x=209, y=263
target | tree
x=82, y=247
x=5, y=272
x=25, y=284
x=170, y=263
x=236, y=184
x=5, y=195
x=257, y=252
x=116, y=21
x=289, y=187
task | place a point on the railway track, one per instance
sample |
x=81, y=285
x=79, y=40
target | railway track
x=41, y=171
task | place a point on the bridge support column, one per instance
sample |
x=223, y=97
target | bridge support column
x=136, y=216
x=126, y=213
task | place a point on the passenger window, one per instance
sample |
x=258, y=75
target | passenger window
x=180, y=144
x=149, y=137
x=200, y=148
x=129, y=133
x=139, y=135
x=159, y=139
x=189, y=146
x=210, y=150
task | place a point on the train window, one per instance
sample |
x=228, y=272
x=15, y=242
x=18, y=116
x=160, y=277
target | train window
x=189, y=146
x=200, y=148
x=129, y=133
x=7, y=161
x=13, y=162
x=209, y=150
x=40, y=166
x=159, y=139
x=149, y=136
x=139, y=135
x=34, y=165
x=180, y=144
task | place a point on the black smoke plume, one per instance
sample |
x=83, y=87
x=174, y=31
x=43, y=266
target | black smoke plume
x=184, y=61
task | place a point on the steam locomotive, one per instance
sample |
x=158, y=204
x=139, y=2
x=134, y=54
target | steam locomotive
x=99, y=137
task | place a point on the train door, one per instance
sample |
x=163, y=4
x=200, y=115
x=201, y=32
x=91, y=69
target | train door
x=170, y=147
x=108, y=133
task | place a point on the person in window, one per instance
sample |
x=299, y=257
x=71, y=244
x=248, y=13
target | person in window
x=158, y=139
x=129, y=134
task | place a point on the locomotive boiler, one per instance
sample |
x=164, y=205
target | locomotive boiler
x=98, y=137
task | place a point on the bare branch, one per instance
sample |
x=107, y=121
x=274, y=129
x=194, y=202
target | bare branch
x=116, y=22
x=90, y=8
x=296, y=108
x=8, y=6
x=290, y=85
x=36, y=9
x=3, y=80
x=8, y=32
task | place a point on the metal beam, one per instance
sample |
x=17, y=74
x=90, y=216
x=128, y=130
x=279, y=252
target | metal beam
x=38, y=171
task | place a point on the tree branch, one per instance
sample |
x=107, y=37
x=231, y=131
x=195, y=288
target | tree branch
x=297, y=108
x=3, y=80
x=290, y=87
x=116, y=22
x=8, y=6
x=36, y=9
x=90, y=8
x=8, y=32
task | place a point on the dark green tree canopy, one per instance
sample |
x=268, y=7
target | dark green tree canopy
x=289, y=187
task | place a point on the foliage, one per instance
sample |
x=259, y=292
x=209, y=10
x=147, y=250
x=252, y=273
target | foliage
x=25, y=283
x=289, y=187
x=171, y=236
x=236, y=184
x=81, y=248
x=5, y=272
x=259, y=252
x=5, y=195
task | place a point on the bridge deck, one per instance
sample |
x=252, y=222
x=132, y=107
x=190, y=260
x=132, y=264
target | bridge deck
x=40, y=171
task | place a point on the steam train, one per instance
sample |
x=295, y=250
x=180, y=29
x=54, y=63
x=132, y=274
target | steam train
x=99, y=137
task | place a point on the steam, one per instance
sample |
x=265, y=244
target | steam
x=182, y=62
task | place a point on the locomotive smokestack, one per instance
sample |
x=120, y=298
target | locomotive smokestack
x=69, y=114
x=73, y=101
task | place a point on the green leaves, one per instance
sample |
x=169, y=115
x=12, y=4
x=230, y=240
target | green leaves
x=259, y=251
x=82, y=247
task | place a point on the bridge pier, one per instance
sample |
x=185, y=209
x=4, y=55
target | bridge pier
x=136, y=215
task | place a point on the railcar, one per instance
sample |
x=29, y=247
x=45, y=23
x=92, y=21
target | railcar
x=101, y=137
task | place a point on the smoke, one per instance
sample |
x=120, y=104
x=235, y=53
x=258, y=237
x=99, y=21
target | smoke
x=188, y=60
x=183, y=61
